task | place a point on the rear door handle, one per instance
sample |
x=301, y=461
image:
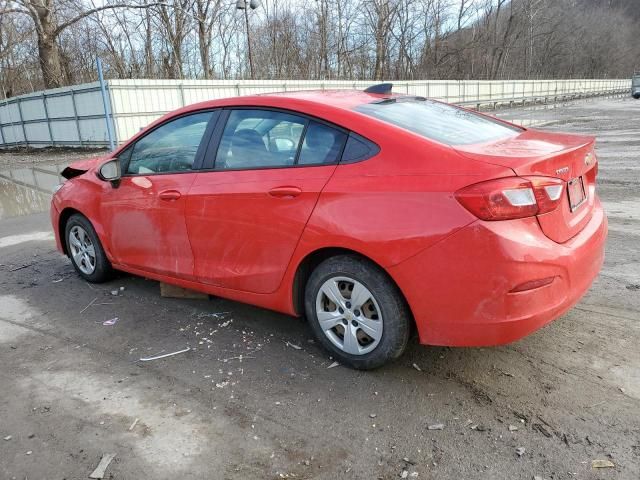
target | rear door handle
x=285, y=192
x=169, y=195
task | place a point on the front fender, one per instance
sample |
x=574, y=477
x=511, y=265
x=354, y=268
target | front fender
x=81, y=195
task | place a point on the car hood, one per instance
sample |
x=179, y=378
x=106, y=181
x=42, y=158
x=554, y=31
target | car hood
x=81, y=166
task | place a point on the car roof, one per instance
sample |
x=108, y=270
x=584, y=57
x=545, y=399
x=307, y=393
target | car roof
x=301, y=99
x=332, y=105
x=339, y=98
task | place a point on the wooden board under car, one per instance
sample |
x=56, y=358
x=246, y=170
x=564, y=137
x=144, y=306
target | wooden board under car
x=173, y=291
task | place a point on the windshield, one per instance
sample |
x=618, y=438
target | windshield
x=438, y=121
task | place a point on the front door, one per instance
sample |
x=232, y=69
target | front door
x=246, y=215
x=145, y=213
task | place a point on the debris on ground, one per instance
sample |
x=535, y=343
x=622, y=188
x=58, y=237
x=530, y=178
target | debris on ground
x=110, y=322
x=372, y=415
x=478, y=427
x=8, y=437
x=404, y=474
x=173, y=291
x=513, y=428
x=296, y=347
x=21, y=267
x=57, y=281
x=147, y=359
x=334, y=364
x=599, y=463
x=542, y=429
x=225, y=324
x=115, y=292
x=520, y=451
x=106, y=459
x=216, y=315
x=29, y=452
x=436, y=426
x=90, y=303
x=415, y=365
x=133, y=425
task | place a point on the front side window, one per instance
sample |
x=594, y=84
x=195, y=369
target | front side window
x=259, y=139
x=171, y=147
x=438, y=121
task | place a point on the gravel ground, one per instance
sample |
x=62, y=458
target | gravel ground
x=255, y=397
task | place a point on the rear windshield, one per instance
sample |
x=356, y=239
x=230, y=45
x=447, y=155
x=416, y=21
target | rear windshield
x=438, y=121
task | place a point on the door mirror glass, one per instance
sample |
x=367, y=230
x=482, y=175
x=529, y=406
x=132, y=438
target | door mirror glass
x=110, y=171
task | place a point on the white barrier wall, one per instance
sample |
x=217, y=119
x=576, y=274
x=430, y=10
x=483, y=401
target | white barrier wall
x=74, y=116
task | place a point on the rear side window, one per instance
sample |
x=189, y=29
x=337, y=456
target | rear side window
x=258, y=139
x=261, y=138
x=322, y=144
x=438, y=121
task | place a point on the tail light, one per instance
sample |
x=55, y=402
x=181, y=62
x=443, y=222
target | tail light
x=511, y=197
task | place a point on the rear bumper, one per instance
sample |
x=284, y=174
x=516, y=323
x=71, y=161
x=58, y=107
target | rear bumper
x=460, y=289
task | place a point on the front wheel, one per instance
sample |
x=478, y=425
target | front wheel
x=357, y=312
x=85, y=250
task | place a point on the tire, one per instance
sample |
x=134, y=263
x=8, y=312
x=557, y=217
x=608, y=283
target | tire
x=85, y=250
x=379, y=320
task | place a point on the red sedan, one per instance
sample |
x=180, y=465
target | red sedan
x=369, y=213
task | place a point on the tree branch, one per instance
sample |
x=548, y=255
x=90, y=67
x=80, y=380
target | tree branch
x=87, y=13
x=14, y=10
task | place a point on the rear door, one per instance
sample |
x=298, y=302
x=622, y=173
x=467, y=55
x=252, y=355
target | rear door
x=245, y=215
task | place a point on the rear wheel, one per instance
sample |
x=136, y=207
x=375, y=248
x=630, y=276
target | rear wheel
x=85, y=250
x=357, y=312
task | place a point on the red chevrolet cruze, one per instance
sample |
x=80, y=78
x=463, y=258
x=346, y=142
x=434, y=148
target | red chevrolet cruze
x=367, y=212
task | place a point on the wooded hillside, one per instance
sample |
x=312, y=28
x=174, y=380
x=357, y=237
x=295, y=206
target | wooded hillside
x=49, y=43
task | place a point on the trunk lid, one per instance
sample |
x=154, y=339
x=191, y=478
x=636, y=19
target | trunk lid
x=568, y=157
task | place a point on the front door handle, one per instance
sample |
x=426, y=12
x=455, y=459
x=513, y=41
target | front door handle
x=285, y=192
x=169, y=195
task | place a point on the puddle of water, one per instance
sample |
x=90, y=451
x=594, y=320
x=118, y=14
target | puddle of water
x=28, y=190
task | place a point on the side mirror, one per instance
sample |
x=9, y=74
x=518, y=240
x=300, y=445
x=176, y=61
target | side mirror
x=110, y=172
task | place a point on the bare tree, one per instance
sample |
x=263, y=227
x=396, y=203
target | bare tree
x=50, y=43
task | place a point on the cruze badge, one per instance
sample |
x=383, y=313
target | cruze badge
x=562, y=171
